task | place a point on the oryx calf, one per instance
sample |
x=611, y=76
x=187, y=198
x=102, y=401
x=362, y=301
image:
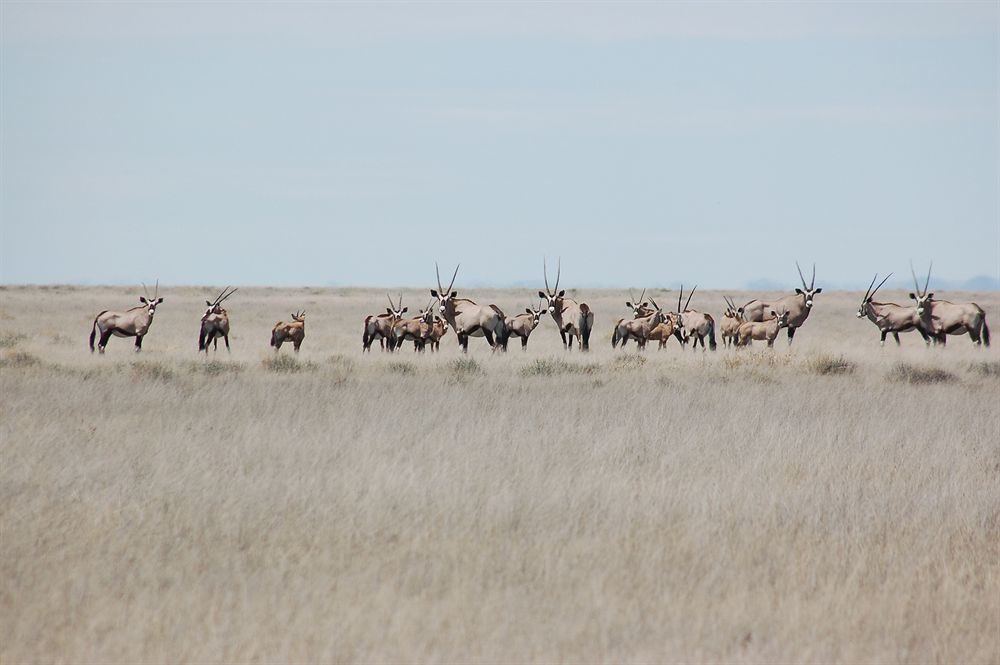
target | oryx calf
x=134, y=322
x=418, y=329
x=732, y=319
x=768, y=329
x=572, y=318
x=215, y=322
x=639, y=309
x=379, y=326
x=522, y=325
x=438, y=330
x=294, y=331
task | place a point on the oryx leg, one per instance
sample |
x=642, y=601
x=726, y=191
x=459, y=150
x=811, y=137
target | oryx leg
x=226, y=338
x=297, y=343
x=524, y=343
x=138, y=343
x=895, y=336
x=105, y=336
x=791, y=334
x=882, y=341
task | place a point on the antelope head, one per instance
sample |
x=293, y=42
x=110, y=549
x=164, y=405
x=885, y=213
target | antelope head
x=427, y=313
x=536, y=314
x=215, y=306
x=869, y=295
x=808, y=291
x=658, y=315
x=151, y=303
x=445, y=297
x=782, y=320
x=922, y=297
x=299, y=317
x=552, y=297
x=394, y=310
x=732, y=311
x=638, y=307
x=681, y=310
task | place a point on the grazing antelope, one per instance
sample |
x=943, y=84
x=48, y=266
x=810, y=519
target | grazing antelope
x=379, y=326
x=639, y=308
x=797, y=306
x=942, y=318
x=468, y=318
x=888, y=316
x=294, y=331
x=215, y=322
x=642, y=327
x=732, y=319
x=572, y=318
x=694, y=324
x=768, y=329
x=438, y=330
x=131, y=323
x=522, y=325
x=417, y=329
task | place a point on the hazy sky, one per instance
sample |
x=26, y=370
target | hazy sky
x=321, y=143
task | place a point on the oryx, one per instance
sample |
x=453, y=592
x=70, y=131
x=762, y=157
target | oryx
x=379, y=326
x=732, y=319
x=522, y=325
x=888, y=316
x=215, y=322
x=640, y=328
x=942, y=318
x=639, y=308
x=572, y=318
x=468, y=318
x=418, y=329
x=766, y=329
x=694, y=324
x=797, y=306
x=131, y=323
x=294, y=331
x=438, y=330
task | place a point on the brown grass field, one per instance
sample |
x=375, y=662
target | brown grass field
x=832, y=502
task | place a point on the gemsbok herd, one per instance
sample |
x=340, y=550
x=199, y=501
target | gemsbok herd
x=760, y=320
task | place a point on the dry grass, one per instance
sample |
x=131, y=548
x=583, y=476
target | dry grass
x=741, y=506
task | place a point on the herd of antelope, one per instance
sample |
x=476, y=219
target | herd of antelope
x=756, y=320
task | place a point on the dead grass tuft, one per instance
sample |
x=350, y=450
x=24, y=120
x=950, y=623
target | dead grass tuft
x=627, y=361
x=826, y=365
x=153, y=371
x=286, y=364
x=19, y=359
x=987, y=368
x=556, y=366
x=919, y=375
x=404, y=367
x=9, y=340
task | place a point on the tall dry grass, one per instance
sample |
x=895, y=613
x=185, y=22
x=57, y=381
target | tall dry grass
x=830, y=503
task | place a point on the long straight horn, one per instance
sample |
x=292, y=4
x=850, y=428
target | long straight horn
x=679, y=296
x=545, y=273
x=400, y=300
x=872, y=295
x=643, y=295
x=689, y=297
x=452, y=283
x=558, y=275
x=801, y=277
x=392, y=304
x=437, y=271
x=156, y=291
x=145, y=290
x=869, y=289
x=916, y=282
x=219, y=297
x=928, y=282
x=812, y=284
x=227, y=295
x=654, y=302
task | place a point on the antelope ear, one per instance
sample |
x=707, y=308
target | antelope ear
x=403, y=311
x=628, y=304
x=388, y=311
x=143, y=300
x=542, y=295
x=645, y=304
x=435, y=293
x=913, y=295
x=159, y=300
x=799, y=291
x=817, y=291
x=774, y=314
x=208, y=302
x=562, y=293
x=930, y=296
x=528, y=310
x=454, y=294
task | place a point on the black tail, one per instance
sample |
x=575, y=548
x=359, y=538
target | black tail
x=711, y=337
x=202, y=342
x=93, y=332
x=986, y=332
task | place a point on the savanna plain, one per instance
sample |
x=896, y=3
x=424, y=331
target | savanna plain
x=825, y=502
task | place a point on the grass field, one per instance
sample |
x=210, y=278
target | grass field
x=832, y=502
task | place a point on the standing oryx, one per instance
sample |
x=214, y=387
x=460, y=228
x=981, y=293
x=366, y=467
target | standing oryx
x=131, y=323
x=767, y=329
x=888, y=316
x=294, y=331
x=942, y=318
x=572, y=318
x=797, y=306
x=732, y=319
x=418, y=329
x=438, y=330
x=694, y=324
x=215, y=322
x=639, y=308
x=379, y=326
x=641, y=327
x=522, y=325
x=466, y=317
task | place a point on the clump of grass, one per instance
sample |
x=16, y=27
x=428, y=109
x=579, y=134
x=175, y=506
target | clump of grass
x=554, y=366
x=986, y=368
x=826, y=365
x=403, y=367
x=154, y=371
x=465, y=368
x=19, y=359
x=8, y=340
x=628, y=361
x=285, y=364
x=915, y=374
x=216, y=368
x=61, y=339
x=340, y=361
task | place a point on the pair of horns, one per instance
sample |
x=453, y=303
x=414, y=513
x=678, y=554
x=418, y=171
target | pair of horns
x=299, y=314
x=641, y=296
x=545, y=273
x=222, y=296
x=730, y=304
x=810, y=287
x=926, y=283
x=681, y=295
x=156, y=291
x=871, y=294
x=393, y=305
x=443, y=292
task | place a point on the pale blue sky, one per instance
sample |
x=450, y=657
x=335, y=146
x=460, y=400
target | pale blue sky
x=320, y=143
